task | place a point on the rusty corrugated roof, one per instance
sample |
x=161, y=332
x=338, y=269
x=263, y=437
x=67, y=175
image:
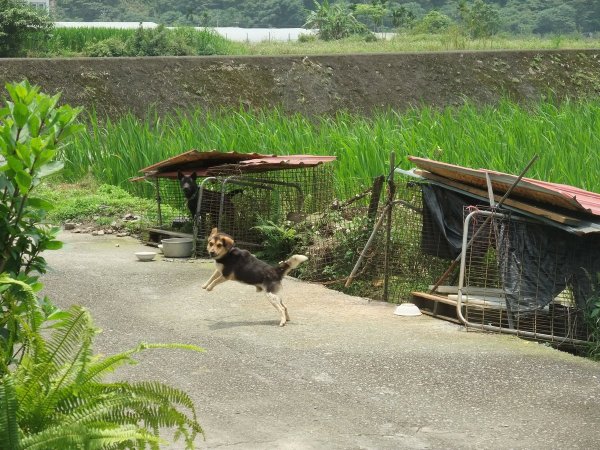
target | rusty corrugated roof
x=552, y=194
x=214, y=162
x=198, y=159
x=275, y=163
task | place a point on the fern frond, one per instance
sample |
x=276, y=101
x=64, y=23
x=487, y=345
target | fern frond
x=61, y=390
x=53, y=366
x=78, y=436
x=96, y=370
x=9, y=428
x=66, y=341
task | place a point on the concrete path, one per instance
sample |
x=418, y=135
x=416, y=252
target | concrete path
x=343, y=374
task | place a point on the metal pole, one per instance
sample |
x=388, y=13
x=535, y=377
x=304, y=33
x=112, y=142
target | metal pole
x=385, y=213
x=198, y=216
x=158, y=202
x=388, y=244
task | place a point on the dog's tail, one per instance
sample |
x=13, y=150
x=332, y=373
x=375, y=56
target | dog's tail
x=291, y=263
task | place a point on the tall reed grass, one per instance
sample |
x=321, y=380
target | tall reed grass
x=503, y=137
x=73, y=42
x=409, y=42
x=76, y=41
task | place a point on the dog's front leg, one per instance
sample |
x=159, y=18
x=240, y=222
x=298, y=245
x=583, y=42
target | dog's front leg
x=216, y=274
x=220, y=279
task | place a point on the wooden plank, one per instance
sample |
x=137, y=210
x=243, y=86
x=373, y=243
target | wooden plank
x=501, y=182
x=480, y=302
x=434, y=298
x=168, y=233
x=551, y=215
x=469, y=290
x=438, y=310
x=441, y=316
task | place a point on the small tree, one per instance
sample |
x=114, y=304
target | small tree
x=18, y=22
x=433, y=22
x=32, y=130
x=334, y=22
x=402, y=17
x=375, y=12
x=481, y=20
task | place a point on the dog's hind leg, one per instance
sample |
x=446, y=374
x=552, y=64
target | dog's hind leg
x=278, y=304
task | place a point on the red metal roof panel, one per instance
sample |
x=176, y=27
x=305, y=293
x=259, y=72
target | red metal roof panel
x=214, y=162
x=193, y=158
x=554, y=194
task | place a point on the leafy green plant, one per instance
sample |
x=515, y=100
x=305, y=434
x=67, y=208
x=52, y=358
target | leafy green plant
x=334, y=21
x=480, y=19
x=32, y=130
x=279, y=241
x=18, y=22
x=107, y=47
x=52, y=393
x=433, y=22
x=56, y=398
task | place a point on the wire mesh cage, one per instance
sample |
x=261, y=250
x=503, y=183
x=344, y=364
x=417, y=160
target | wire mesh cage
x=238, y=203
x=528, y=278
x=394, y=265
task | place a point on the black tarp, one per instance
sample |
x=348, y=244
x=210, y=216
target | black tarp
x=536, y=261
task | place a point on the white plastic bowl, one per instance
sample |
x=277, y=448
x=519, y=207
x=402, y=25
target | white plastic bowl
x=407, y=309
x=145, y=256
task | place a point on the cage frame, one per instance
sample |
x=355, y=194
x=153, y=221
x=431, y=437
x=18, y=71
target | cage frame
x=282, y=175
x=494, y=328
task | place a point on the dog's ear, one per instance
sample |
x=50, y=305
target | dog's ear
x=194, y=176
x=179, y=175
x=213, y=232
x=228, y=242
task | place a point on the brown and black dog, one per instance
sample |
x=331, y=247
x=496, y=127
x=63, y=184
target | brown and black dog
x=233, y=263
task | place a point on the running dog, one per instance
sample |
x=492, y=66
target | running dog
x=211, y=200
x=233, y=263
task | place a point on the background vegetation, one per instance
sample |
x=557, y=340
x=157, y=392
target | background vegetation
x=340, y=27
x=502, y=137
x=514, y=16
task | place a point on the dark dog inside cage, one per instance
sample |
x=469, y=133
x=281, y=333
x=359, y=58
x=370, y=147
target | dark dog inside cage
x=210, y=205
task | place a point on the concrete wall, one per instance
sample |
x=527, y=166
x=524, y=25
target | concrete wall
x=310, y=85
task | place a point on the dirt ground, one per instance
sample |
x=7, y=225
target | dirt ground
x=311, y=85
x=345, y=373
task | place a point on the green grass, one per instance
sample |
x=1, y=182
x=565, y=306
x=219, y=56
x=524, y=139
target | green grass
x=94, y=204
x=503, y=137
x=67, y=42
x=73, y=42
x=421, y=43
